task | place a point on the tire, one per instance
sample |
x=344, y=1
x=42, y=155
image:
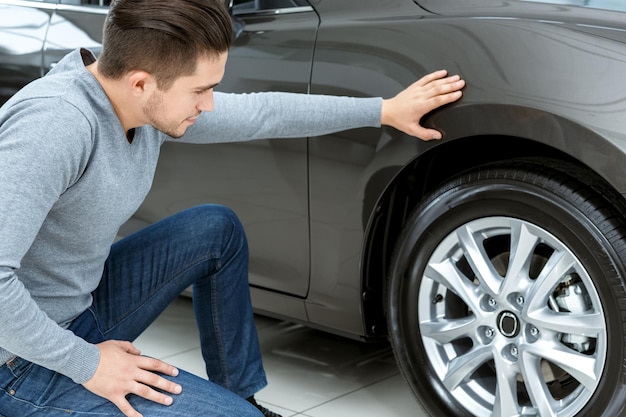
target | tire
x=505, y=295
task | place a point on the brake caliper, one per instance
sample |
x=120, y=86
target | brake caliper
x=570, y=296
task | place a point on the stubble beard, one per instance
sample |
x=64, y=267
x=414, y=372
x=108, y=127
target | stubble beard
x=155, y=116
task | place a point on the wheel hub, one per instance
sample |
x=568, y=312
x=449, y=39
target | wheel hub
x=508, y=324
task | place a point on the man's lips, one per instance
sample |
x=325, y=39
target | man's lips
x=193, y=119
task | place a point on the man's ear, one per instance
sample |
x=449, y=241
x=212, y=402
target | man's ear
x=141, y=82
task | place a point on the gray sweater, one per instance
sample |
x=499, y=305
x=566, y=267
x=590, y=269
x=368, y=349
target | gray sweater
x=69, y=179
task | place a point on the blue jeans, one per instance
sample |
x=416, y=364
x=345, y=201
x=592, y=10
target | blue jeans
x=205, y=247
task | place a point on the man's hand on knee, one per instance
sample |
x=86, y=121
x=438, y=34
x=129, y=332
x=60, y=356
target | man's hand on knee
x=122, y=371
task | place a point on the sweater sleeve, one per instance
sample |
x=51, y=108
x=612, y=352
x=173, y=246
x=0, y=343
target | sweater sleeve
x=39, y=159
x=241, y=117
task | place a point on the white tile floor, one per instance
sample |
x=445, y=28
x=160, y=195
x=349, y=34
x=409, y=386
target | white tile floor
x=310, y=373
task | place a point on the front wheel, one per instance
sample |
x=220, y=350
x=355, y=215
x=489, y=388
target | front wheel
x=506, y=296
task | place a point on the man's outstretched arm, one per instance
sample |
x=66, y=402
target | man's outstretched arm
x=243, y=117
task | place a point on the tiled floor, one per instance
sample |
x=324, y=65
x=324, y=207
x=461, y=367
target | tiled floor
x=310, y=373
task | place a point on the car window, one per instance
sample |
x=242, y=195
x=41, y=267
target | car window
x=102, y=3
x=615, y=5
x=260, y=6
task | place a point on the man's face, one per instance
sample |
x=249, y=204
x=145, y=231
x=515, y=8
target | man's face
x=174, y=110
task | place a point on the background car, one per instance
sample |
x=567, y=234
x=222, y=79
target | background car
x=493, y=260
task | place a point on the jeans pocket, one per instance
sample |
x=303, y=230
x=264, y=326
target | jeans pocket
x=30, y=390
x=13, y=373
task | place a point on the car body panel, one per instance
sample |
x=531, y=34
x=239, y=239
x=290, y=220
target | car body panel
x=503, y=98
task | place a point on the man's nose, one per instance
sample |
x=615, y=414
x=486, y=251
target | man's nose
x=206, y=102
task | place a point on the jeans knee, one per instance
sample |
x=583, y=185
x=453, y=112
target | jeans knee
x=217, y=222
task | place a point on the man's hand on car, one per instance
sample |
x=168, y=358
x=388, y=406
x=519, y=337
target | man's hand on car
x=405, y=110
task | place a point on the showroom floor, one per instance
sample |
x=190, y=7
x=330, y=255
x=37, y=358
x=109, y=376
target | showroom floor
x=310, y=373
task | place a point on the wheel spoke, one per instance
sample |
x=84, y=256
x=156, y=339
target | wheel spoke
x=446, y=274
x=559, y=264
x=445, y=331
x=478, y=260
x=536, y=386
x=506, y=402
x=523, y=244
x=588, y=324
x=579, y=366
x=462, y=367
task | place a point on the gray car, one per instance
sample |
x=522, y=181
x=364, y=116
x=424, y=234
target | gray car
x=494, y=260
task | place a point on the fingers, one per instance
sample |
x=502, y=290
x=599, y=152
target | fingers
x=148, y=375
x=406, y=109
x=444, y=93
x=147, y=380
x=128, y=347
x=126, y=408
x=425, y=134
x=442, y=90
x=428, y=78
x=155, y=365
x=145, y=390
x=122, y=371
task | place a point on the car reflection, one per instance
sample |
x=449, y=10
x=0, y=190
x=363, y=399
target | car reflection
x=64, y=34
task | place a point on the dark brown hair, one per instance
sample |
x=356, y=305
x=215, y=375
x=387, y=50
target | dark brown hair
x=163, y=37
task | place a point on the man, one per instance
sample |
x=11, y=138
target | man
x=78, y=150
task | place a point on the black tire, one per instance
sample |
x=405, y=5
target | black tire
x=506, y=295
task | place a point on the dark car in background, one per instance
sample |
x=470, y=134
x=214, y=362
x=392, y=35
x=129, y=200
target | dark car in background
x=494, y=260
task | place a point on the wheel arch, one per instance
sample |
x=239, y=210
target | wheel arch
x=455, y=155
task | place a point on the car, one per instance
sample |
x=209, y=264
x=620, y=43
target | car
x=494, y=260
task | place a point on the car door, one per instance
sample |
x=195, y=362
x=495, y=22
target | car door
x=23, y=27
x=264, y=181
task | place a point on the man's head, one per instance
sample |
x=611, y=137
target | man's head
x=164, y=57
x=163, y=37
